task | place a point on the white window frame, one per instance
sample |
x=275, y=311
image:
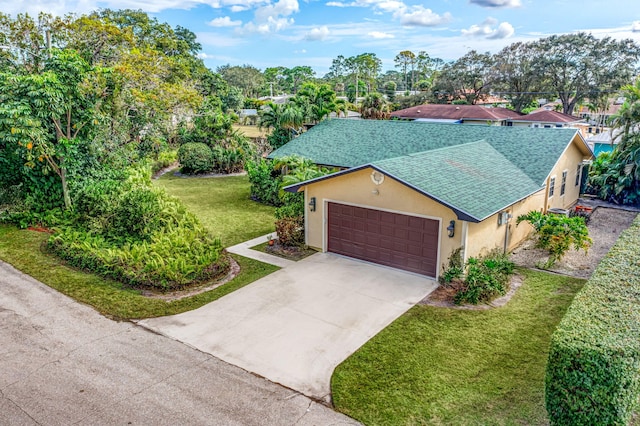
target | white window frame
x=563, y=183
x=578, y=173
x=552, y=185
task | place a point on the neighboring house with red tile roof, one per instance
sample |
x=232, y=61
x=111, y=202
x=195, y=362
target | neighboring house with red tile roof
x=546, y=119
x=466, y=114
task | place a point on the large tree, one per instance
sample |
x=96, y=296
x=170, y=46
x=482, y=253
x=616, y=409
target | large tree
x=49, y=114
x=580, y=66
x=406, y=61
x=469, y=79
x=246, y=77
x=515, y=75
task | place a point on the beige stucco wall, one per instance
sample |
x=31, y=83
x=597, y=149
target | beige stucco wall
x=488, y=235
x=569, y=162
x=357, y=189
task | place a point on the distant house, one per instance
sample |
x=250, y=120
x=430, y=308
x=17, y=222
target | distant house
x=409, y=194
x=546, y=119
x=604, y=141
x=464, y=114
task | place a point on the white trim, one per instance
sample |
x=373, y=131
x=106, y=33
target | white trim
x=306, y=219
x=563, y=182
x=325, y=226
x=465, y=240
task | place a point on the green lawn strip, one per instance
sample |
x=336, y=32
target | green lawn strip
x=251, y=131
x=448, y=366
x=223, y=205
x=23, y=250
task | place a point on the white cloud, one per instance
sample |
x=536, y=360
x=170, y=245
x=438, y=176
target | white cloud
x=274, y=11
x=419, y=16
x=224, y=22
x=238, y=8
x=300, y=52
x=318, y=33
x=380, y=35
x=496, y=3
x=635, y=27
x=407, y=15
x=272, y=17
x=488, y=30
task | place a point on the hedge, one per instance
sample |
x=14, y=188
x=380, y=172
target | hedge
x=593, y=373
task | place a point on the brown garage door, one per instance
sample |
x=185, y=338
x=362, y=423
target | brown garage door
x=391, y=239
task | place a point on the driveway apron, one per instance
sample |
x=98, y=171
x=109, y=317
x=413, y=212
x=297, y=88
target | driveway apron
x=62, y=363
x=296, y=325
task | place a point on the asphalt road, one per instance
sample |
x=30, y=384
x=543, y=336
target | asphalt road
x=62, y=363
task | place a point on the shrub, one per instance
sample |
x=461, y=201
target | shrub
x=454, y=268
x=486, y=279
x=265, y=182
x=195, y=158
x=558, y=233
x=593, y=372
x=163, y=160
x=227, y=160
x=290, y=231
x=128, y=230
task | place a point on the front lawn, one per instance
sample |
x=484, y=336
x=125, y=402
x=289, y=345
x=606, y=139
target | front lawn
x=22, y=249
x=223, y=206
x=448, y=366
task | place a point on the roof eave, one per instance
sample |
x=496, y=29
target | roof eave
x=460, y=214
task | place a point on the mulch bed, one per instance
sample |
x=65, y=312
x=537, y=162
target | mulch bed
x=291, y=253
x=442, y=297
x=605, y=225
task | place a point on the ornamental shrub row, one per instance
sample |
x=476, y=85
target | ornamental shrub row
x=593, y=373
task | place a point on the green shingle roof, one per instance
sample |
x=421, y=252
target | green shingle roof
x=474, y=179
x=476, y=170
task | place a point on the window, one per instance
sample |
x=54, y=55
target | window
x=552, y=186
x=564, y=183
x=578, y=170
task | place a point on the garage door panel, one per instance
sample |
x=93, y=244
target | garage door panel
x=391, y=239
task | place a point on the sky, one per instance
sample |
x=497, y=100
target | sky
x=269, y=33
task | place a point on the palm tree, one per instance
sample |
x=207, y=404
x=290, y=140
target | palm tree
x=285, y=120
x=619, y=181
x=374, y=107
x=317, y=101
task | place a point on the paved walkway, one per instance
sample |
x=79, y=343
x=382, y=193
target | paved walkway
x=62, y=363
x=243, y=249
x=296, y=325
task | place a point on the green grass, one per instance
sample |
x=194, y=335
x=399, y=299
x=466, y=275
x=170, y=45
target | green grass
x=251, y=131
x=23, y=249
x=223, y=206
x=441, y=366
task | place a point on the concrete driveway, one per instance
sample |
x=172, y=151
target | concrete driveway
x=296, y=325
x=62, y=363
